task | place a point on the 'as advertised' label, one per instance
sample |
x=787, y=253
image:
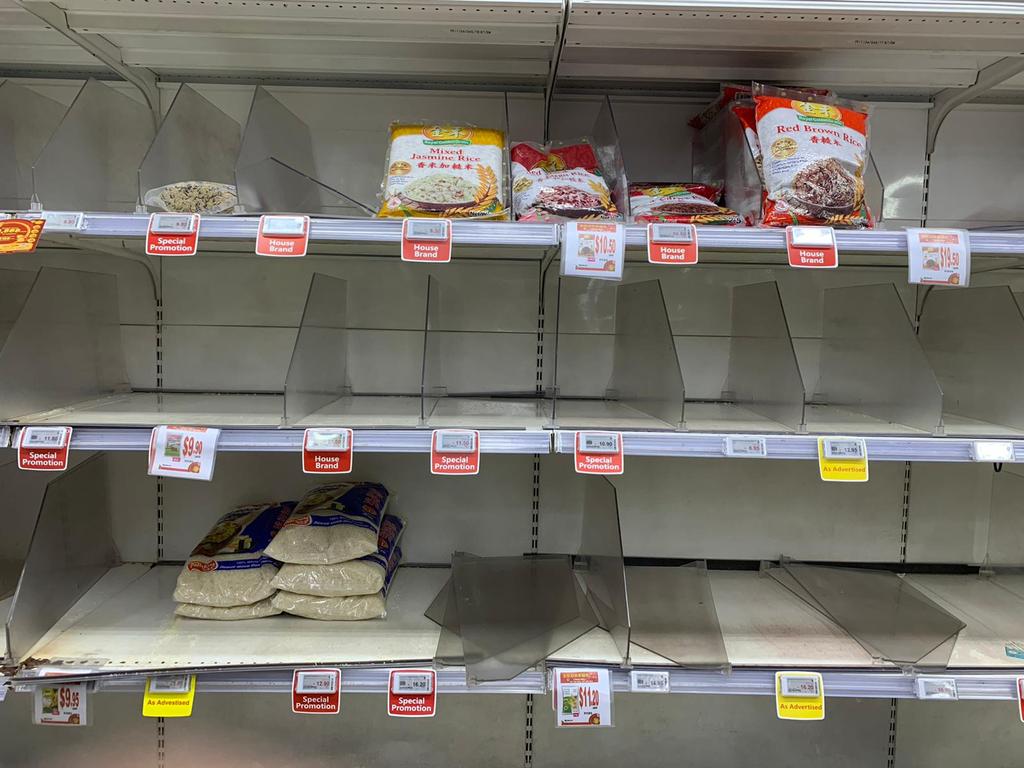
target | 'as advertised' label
x=412, y=693
x=187, y=452
x=286, y=236
x=327, y=451
x=812, y=247
x=455, y=452
x=44, y=449
x=598, y=453
x=173, y=234
x=169, y=696
x=799, y=696
x=428, y=240
x=316, y=691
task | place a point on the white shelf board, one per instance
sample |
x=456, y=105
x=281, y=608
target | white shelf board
x=476, y=413
x=603, y=414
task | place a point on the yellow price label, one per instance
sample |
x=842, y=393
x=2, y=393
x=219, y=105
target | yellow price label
x=799, y=696
x=843, y=459
x=169, y=696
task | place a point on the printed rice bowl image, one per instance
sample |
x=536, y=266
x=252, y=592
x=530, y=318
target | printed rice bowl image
x=440, y=191
x=825, y=188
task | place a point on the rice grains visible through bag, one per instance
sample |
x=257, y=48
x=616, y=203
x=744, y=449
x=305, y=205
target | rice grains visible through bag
x=679, y=204
x=559, y=182
x=352, y=608
x=258, y=610
x=445, y=171
x=814, y=153
x=364, y=576
x=332, y=524
x=230, y=567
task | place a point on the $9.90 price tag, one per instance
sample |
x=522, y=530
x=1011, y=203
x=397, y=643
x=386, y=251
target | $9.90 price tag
x=583, y=698
x=412, y=693
x=799, y=696
x=61, y=704
x=455, y=452
x=316, y=691
x=188, y=452
x=44, y=449
x=598, y=453
x=594, y=249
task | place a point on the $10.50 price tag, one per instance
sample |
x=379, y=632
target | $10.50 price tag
x=582, y=698
x=598, y=453
x=671, y=243
x=455, y=452
x=327, y=451
x=61, y=704
x=427, y=240
x=812, y=247
x=316, y=691
x=188, y=452
x=412, y=693
x=173, y=234
x=594, y=249
x=44, y=449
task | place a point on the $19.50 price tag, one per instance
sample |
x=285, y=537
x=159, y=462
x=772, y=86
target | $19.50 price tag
x=583, y=698
x=188, y=452
x=61, y=704
x=939, y=256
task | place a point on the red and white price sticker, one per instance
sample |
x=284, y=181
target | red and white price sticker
x=455, y=452
x=316, y=691
x=327, y=451
x=65, y=704
x=812, y=247
x=939, y=256
x=427, y=240
x=173, y=234
x=1020, y=697
x=671, y=243
x=44, y=449
x=412, y=693
x=583, y=697
x=188, y=452
x=594, y=249
x=599, y=453
x=282, y=236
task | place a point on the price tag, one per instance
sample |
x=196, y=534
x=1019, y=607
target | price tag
x=939, y=256
x=44, y=449
x=61, y=704
x=599, y=453
x=316, y=691
x=455, y=452
x=173, y=234
x=20, y=235
x=169, y=696
x=843, y=459
x=750, y=447
x=63, y=221
x=427, y=240
x=812, y=247
x=671, y=244
x=412, y=693
x=799, y=696
x=1020, y=697
x=594, y=249
x=327, y=451
x=583, y=698
x=649, y=681
x=992, y=451
x=282, y=236
x=937, y=688
x=188, y=452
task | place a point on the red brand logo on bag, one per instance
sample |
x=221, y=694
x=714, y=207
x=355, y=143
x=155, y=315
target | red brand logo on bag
x=599, y=453
x=316, y=691
x=412, y=693
x=671, y=243
x=44, y=449
x=812, y=247
x=327, y=451
x=427, y=240
x=455, y=452
x=282, y=236
x=173, y=234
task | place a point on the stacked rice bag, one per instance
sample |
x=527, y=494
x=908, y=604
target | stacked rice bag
x=339, y=552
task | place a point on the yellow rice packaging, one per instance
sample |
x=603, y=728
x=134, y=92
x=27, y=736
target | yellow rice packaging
x=444, y=171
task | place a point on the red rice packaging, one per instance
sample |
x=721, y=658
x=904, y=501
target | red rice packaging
x=814, y=152
x=679, y=204
x=559, y=181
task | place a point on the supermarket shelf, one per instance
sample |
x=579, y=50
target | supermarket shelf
x=712, y=445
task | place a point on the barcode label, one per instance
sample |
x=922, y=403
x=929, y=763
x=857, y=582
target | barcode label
x=170, y=684
x=812, y=236
x=42, y=437
x=992, y=450
x=937, y=688
x=417, y=229
x=845, y=449
x=456, y=442
x=317, y=682
x=62, y=221
x=746, y=446
x=648, y=681
x=800, y=685
x=412, y=682
x=599, y=442
x=672, y=233
x=174, y=223
x=284, y=225
x=327, y=439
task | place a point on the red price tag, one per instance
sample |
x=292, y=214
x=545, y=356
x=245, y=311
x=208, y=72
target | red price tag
x=20, y=235
x=812, y=247
x=671, y=243
x=188, y=452
x=316, y=691
x=44, y=449
x=173, y=234
x=1020, y=697
x=599, y=453
x=455, y=452
x=282, y=236
x=327, y=451
x=427, y=240
x=412, y=693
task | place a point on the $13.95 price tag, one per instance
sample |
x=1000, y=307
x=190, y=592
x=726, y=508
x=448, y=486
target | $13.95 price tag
x=61, y=704
x=594, y=249
x=188, y=452
x=44, y=449
x=583, y=698
x=412, y=693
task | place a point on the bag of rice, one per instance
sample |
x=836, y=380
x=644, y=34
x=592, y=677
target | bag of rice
x=553, y=182
x=444, y=171
x=814, y=151
x=355, y=577
x=679, y=204
x=229, y=567
x=257, y=610
x=352, y=608
x=331, y=524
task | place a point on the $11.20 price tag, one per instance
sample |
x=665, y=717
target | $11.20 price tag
x=455, y=452
x=428, y=240
x=44, y=449
x=282, y=236
x=598, y=453
x=327, y=451
x=188, y=452
x=583, y=698
x=671, y=243
x=412, y=693
x=812, y=247
x=61, y=704
x=316, y=691
x=594, y=249
x=173, y=234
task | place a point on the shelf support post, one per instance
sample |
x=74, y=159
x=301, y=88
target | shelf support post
x=947, y=100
